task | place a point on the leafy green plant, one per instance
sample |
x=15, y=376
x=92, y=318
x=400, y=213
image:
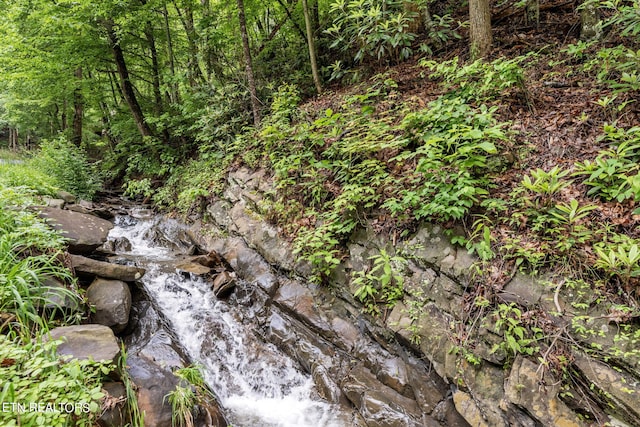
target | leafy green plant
x=619, y=257
x=479, y=80
x=372, y=29
x=68, y=167
x=611, y=174
x=182, y=401
x=133, y=410
x=454, y=143
x=545, y=183
x=382, y=283
x=517, y=336
x=64, y=392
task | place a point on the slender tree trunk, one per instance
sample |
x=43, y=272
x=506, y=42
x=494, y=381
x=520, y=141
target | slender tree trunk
x=194, y=73
x=128, y=92
x=255, y=102
x=312, y=47
x=78, y=108
x=173, y=95
x=63, y=116
x=480, y=28
x=13, y=139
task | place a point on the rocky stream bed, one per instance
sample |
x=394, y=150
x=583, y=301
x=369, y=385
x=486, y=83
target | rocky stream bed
x=276, y=350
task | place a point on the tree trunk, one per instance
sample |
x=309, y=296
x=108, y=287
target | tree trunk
x=255, y=102
x=312, y=47
x=128, y=92
x=173, y=94
x=13, y=139
x=78, y=108
x=480, y=28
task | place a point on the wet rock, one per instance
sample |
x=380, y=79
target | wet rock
x=113, y=414
x=154, y=383
x=300, y=302
x=88, y=266
x=380, y=405
x=188, y=268
x=142, y=213
x=112, y=302
x=326, y=386
x=223, y=284
x=86, y=232
x=121, y=244
x=539, y=396
x=83, y=342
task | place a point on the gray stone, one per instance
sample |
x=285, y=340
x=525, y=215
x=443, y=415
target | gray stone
x=154, y=384
x=300, y=302
x=223, y=284
x=106, y=270
x=85, y=232
x=112, y=302
x=523, y=289
x=82, y=342
x=529, y=388
x=66, y=196
x=378, y=404
x=621, y=387
x=58, y=297
x=114, y=411
x=193, y=268
x=54, y=203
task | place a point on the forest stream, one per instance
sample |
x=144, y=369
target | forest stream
x=255, y=382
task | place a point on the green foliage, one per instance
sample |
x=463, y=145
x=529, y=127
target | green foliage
x=479, y=80
x=26, y=176
x=133, y=411
x=182, y=401
x=544, y=183
x=433, y=164
x=28, y=255
x=613, y=175
x=619, y=256
x=518, y=337
x=372, y=29
x=184, y=398
x=67, y=166
x=32, y=373
x=454, y=142
x=384, y=282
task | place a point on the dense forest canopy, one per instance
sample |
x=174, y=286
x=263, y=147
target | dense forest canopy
x=162, y=77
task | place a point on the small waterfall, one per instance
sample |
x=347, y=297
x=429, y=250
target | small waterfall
x=256, y=383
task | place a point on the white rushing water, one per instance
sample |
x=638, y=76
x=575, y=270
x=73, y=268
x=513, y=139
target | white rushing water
x=256, y=383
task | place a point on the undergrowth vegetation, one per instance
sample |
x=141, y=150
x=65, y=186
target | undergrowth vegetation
x=33, y=283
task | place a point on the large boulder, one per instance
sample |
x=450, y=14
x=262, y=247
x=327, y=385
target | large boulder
x=85, y=232
x=82, y=342
x=112, y=302
x=84, y=265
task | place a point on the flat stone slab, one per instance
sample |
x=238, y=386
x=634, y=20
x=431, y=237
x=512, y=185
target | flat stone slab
x=84, y=342
x=85, y=232
x=107, y=270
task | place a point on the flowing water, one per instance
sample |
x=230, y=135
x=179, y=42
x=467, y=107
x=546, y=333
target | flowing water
x=256, y=384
